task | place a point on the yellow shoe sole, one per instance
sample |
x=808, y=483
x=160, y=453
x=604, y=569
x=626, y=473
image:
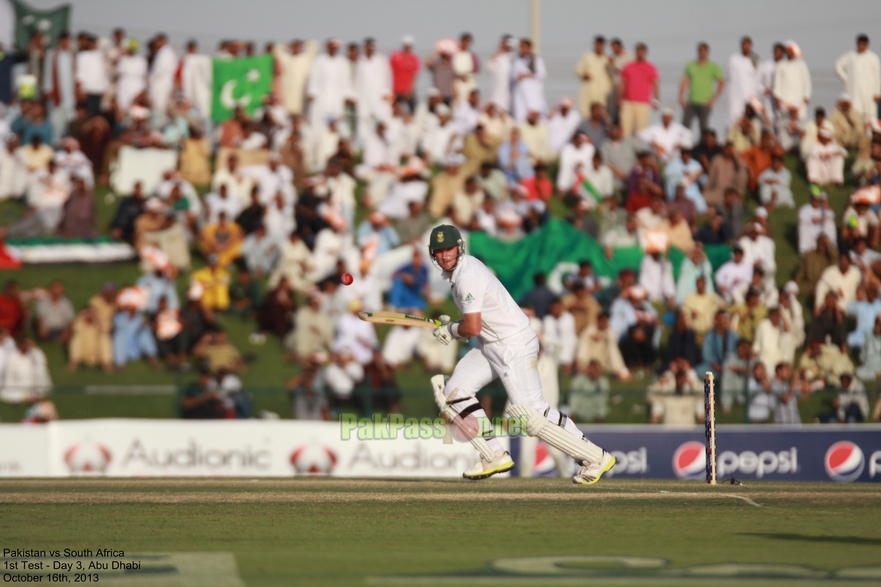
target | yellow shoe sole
x=490, y=472
x=607, y=468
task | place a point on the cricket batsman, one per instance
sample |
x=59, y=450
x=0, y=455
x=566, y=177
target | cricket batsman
x=508, y=348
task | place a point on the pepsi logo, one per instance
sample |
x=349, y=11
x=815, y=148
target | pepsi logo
x=844, y=461
x=313, y=459
x=87, y=458
x=690, y=461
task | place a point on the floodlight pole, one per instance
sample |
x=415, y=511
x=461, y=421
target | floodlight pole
x=535, y=25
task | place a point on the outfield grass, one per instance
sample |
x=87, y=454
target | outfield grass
x=324, y=532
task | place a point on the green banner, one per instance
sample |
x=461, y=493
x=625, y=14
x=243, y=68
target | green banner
x=244, y=82
x=50, y=22
x=559, y=242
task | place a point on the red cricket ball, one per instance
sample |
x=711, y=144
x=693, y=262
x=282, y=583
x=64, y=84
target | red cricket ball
x=347, y=279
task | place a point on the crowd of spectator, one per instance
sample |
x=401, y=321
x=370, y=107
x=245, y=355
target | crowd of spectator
x=271, y=202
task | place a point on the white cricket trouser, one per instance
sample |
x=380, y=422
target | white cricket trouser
x=513, y=359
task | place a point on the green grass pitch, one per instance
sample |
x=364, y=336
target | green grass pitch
x=323, y=531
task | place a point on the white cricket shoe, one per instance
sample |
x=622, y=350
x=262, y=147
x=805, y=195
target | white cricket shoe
x=486, y=469
x=590, y=473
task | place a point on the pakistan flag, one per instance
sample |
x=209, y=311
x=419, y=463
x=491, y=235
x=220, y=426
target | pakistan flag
x=244, y=82
x=51, y=23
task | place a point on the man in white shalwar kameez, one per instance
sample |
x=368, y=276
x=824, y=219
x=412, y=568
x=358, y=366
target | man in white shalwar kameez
x=562, y=124
x=295, y=69
x=593, y=71
x=466, y=66
x=792, y=81
x=766, y=81
x=527, y=76
x=161, y=80
x=860, y=71
x=59, y=86
x=195, y=79
x=373, y=89
x=499, y=67
x=329, y=86
x=743, y=81
x=131, y=75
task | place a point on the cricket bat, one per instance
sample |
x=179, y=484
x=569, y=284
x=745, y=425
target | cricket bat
x=399, y=319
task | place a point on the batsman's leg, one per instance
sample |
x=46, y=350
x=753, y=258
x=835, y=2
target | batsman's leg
x=455, y=398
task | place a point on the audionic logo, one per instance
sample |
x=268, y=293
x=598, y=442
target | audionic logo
x=313, y=459
x=689, y=461
x=844, y=461
x=87, y=457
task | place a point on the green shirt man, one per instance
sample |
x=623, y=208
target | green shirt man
x=703, y=79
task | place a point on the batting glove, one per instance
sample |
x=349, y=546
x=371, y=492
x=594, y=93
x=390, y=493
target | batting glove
x=447, y=331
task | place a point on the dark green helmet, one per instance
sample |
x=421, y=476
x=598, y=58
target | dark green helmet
x=444, y=237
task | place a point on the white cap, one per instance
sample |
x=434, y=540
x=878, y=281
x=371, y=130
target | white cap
x=433, y=92
x=668, y=111
x=844, y=97
x=791, y=287
x=455, y=159
x=761, y=212
x=408, y=40
x=442, y=110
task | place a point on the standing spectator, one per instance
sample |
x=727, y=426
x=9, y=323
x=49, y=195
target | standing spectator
x=636, y=322
x=26, y=376
x=308, y=391
x=639, y=92
x=761, y=398
x=860, y=71
x=589, y=395
x=527, y=77
x=676, y=398
x=13, y=312
x=792, y=82
x=160, y=82
x=870, y=356
x=405, y=67
x=539, y=298
x=699, y=78
x=786, y=389
x=718, y=344
x=743, y=80
x=91, y=76
x=735, y=376
x=593, y=71
x=499, y=67
x=78, y=214
x=329, y=89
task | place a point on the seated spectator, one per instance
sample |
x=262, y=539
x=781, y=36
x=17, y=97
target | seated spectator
x=375, y=236
x=582, y=305
x=865, y=307
x=867, y=260
x=656, y=276
x=746, y=315
x=666, y=138
x=694, y=265
x=620, y=154
x=870, y=354
x=90, y=342
x=54, y=315
x=539, y=298
x=195, y=318
x=761, y=396
x=681, y=343
x=308, y=391
x=598, y=128
x=727, y=171
x=758, y=158
x=769, y=296
x=386, y=396
x=240, y=186
x=132, y=336
x=296, y=262
x=746, y=132
x=718, y=343
x=409, y=285
x=589, y=395
x=773, y=343
x=563, y=122
x=774, y=185
x=598, y=341
x=847, y=124
x=170, y=338
x=715, y=232
x=759, y=249
x=201, y=401
x=480, y=148
x=700, y=308
x=594, y=183
x=245, y=294
x=559, y=339
x=851, y=406
x=811, y=131
x=579, y=152
x=635, y=322
x=195, y=159
x=735, y=376
x=643, y=183
x=158, y=226
x=822, y=363
x=13, y=312
x=222, y=240
x=493, y=182
x=78, y=214
x=466, y=203
x=786, y=391
x=275, y=314
x=538, y=187
x=252, y=215
x=442, y=138
x=313, y=328
x=791, y=311
x=708, y=148
x=355, y=337
x=534, y=132
x=814, y=219
x=829, y=323
x=417, y=222
x=825, y=161
x=221, y=202
x=215, y=281
x=130, y=207
x=789, y=128
x=683, y=174
x=621, y=236
x=734, y=275
x=260, y=252
x=813, y=264
x=679, y=233
x=858, y=222
x=26, y=375
x=218, y=353
x=676, y=398
x=841, y=279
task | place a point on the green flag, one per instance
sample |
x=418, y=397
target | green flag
x=50, y=22
x=559, y=246
x=240, y=82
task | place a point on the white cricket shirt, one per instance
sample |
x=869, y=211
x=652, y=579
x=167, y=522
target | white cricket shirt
x=476, y=289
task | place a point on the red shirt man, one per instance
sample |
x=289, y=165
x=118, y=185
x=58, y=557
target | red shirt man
x=405, y=65
x=639, y=91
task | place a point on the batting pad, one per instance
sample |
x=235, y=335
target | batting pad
x=580, y=449
x=438, y=383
